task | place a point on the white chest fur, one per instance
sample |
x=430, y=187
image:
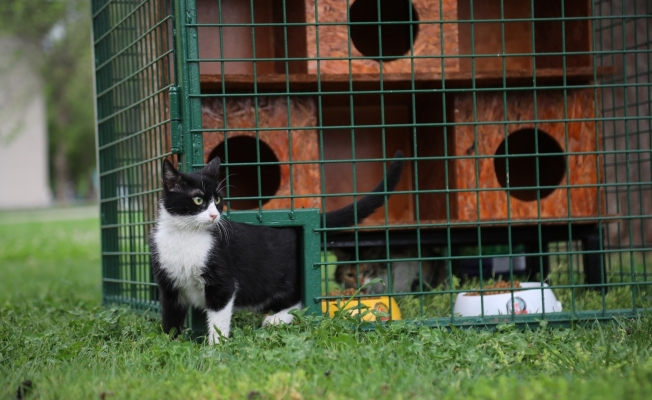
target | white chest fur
x=182, y=254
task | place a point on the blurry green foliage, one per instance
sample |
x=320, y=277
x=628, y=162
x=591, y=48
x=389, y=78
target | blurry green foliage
x=58, y=35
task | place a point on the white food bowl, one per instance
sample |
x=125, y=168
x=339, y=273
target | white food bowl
x=527, y=301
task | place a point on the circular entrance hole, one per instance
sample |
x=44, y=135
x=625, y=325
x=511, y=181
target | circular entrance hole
x=395, y=36
x=522, y=146
x=244, y=179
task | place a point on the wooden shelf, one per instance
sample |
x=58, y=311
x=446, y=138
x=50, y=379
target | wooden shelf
x=398, y=81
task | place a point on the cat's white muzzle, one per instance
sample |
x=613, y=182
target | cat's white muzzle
x=210, y=216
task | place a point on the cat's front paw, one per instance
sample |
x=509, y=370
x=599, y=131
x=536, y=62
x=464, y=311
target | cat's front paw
x=282, y=317
x=214, y=337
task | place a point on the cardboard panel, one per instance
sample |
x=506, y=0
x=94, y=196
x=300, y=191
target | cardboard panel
x=577, y=140
x=304, y=179
x=334, y=39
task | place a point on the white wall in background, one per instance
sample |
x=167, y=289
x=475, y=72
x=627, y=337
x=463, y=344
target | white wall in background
x=23, y=131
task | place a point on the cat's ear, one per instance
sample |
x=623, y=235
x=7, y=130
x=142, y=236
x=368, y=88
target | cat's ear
x=171, y=177
x=342, y=254
x=213, y=167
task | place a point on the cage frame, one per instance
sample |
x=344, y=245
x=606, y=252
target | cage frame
x=187, y=87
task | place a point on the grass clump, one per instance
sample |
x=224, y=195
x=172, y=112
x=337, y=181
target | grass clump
x=55, y=334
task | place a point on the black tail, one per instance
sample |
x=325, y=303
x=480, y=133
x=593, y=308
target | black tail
x=345, y=216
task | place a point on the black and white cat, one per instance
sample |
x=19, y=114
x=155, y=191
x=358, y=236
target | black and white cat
x=201, y=260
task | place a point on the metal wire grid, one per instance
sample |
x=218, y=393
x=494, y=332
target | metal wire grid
x=133, y=53
x=557, y=255
x=625, y=42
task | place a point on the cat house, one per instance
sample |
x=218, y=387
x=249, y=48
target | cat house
x=496, y=106
x=426, y=38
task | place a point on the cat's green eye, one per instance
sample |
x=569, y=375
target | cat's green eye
x=218, y=200
x=198, y=200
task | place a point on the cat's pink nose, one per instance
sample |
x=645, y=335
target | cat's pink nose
x=212, y=216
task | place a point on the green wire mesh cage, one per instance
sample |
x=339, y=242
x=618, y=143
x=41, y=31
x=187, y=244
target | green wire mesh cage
x=525, y=127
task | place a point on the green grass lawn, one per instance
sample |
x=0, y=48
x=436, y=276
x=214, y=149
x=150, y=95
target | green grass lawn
x=54, y=333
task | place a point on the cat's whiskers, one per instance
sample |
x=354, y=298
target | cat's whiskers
x=219, y=185
x=223, y=230
x=228, y=229
x=196, y=227
x=220, y=231
x=189, y=224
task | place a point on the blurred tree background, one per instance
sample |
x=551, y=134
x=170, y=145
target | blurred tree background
x=56, y=35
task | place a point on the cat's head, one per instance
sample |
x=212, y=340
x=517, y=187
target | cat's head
x=195, y=198
x=351, y=277
x=347, y=275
